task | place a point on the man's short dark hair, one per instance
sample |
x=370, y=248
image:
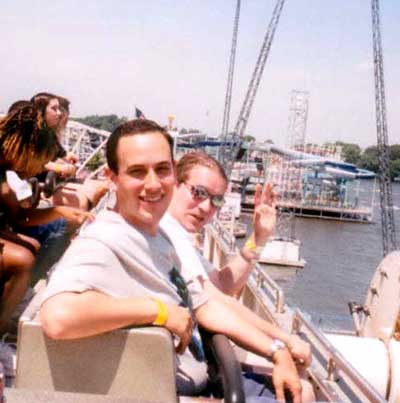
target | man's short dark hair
x=130, y=128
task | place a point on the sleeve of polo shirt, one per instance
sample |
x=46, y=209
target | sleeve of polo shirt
x=80, y=269
x=196, y=289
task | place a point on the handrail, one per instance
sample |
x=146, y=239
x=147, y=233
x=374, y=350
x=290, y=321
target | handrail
x=335, y=360
x=225, y=236
x=95, y=172
x=267, y=287
x=94, y=152
x=264, y=280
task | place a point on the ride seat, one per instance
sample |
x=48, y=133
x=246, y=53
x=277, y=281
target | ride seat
x=137, y=363
x=394, y=388
x=383, y=300
x=369, y=356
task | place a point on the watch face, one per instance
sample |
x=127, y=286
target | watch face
x=275, y=346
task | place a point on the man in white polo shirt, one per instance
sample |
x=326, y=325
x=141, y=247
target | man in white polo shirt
x=198, y=195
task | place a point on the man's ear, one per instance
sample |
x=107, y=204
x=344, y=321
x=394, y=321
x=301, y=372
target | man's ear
x=111, y=175
x=174, y=165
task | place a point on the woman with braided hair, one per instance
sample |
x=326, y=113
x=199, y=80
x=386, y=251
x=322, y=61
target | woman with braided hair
x=26, y=144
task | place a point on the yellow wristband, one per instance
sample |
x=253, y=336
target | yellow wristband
x=162, y=313
x=57, y=168
x=250, y=245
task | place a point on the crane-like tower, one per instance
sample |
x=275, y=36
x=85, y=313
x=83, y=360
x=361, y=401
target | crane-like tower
x=385, y=186
x=228, y=95
x=229, y=152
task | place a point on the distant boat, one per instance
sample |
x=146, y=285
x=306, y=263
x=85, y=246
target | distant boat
x=282, y=252
x=239, y=228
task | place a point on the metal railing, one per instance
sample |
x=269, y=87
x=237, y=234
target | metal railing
x=335, y=361
x=267, y=292
x=265, y=282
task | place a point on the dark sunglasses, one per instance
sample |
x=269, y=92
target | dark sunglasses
x=199, y=192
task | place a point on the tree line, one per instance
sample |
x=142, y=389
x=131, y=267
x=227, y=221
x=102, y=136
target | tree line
x=368, y=158
x=102, y=122
x=352, y=153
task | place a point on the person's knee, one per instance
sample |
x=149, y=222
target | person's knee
x=20, y=259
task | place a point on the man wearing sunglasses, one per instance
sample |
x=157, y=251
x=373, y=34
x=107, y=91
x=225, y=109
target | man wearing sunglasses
x=198, y=195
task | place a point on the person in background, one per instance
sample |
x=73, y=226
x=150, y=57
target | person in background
x=55, y=110
x=42, y=224
x=83, y=195
x=26, y=145
x=198, y=195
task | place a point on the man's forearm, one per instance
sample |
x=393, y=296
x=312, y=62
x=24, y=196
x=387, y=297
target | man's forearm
x=233, y=277
x=270, y=329
x=73, y=315
x=218, y=317
x=37, y=216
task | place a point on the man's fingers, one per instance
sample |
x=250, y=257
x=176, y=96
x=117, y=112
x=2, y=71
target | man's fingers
x=280, y=394
x=184, y=342
x=180, y=349
x=257, y=194
x=296, y=393
x=268, y=194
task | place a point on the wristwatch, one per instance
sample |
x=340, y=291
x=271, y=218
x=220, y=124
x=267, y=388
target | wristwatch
x=275, y=346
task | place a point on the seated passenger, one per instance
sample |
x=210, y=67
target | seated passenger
x=123, y=270
x=41, y=223
x=198, y=195
x=80, y=195
x=25, y=146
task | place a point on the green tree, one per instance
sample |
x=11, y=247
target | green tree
x=394, y=152
x=102, y=122
x=249, y=138
x=351, y=152
x=394, y=168
x=369, y=159
x=96, y=161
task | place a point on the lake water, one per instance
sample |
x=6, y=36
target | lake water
x=341, y=258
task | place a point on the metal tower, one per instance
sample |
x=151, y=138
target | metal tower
x=228, y=96
x=385, y=186
x=229, y=152
x=298, y=114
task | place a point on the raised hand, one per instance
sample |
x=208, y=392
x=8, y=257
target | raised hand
x=264, y=217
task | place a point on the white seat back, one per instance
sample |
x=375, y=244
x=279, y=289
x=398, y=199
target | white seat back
x=383, y=299
x=135, y=363
x=394, y=388
x=368, y=356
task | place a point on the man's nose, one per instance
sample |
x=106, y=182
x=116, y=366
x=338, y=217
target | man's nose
x=152, y=179
x=205, y=205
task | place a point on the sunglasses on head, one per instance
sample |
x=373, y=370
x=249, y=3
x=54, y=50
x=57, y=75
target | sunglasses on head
x=199, y=192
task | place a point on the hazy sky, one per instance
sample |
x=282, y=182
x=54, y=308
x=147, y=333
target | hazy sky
x=171, y=57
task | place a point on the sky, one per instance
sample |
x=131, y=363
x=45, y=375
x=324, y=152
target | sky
x=171, y=57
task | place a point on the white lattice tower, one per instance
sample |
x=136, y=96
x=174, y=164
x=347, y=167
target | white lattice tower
x=298, y=114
